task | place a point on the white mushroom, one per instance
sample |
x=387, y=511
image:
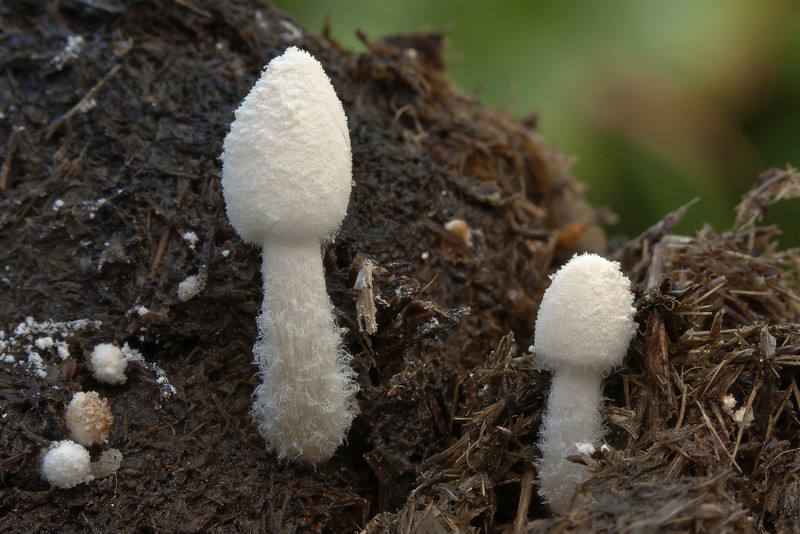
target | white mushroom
x=109, y=364
x=286, y=178
x=66, y=464
x=583, y=330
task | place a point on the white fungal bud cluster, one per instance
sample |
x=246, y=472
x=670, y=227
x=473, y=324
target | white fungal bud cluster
x=67, y=463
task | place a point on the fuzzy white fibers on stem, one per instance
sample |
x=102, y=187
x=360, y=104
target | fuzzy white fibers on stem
x=305, y=403
x=571, y=422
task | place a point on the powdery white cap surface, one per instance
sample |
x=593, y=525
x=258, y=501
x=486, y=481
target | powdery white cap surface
x=286, y=163
x=89, y=418
x=109, y=364
x=66, y=465
x=586, y=315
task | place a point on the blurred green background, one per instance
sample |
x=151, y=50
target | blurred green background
x=660, y=101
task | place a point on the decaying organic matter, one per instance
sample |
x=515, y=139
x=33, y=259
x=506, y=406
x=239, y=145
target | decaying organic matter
x=112, y=120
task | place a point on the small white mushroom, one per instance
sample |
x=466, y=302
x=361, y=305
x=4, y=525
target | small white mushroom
x=66, y=464
x=460, y=229
x=109, y=364
x=583, y=330
x=286, y=178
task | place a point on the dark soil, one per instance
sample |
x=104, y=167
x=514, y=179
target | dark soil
x=110, y=163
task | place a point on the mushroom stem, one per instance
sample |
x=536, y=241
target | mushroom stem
x=572, y=419
x=305, y=403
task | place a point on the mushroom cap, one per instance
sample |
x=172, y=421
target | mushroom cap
x=586, y=315
x=286, y=162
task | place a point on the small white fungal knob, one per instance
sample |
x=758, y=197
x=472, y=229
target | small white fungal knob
x=66, y=464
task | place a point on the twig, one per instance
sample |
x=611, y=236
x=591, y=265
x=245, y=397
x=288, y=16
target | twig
x=682, y=411
x=77, y=107
x=711, y=428
x=709, y=293
x=201, y=12
x=59, y=171
x=162, y=245
x=13, y=141
x=89, y=523
x=524, y=501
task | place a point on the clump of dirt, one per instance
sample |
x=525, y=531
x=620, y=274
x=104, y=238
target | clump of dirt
x=112, y=121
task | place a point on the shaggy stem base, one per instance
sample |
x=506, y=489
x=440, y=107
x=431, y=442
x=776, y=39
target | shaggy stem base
x=572, y=420
x=305, y=403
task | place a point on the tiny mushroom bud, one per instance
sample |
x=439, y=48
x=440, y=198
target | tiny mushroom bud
x=66, y=464
x=460, y=229
x=286, y=179
x=109, y=364
x=191, y=286
x=108, y=463
x=88, y=418
x=583, y=330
